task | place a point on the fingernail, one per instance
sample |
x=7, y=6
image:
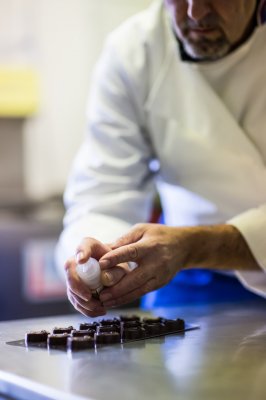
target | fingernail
x=108, y=277
x=79, y=256
x=104, y=263
x=105, y=297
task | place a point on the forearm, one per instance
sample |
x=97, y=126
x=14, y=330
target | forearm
x=162, y=251
x=220, y=247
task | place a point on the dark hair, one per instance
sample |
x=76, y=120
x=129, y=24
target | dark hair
x=261, y=12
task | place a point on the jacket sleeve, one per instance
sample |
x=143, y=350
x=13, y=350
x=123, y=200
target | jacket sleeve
x=252, y=225
x=111, y=185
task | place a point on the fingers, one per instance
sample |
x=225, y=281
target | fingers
x=78, y=292
x=113, y=276
x=132, y=281
x=90, y=247
x=90, y=305
x=79, y=295
x=135, y=294
x=123, y=254
x=74, y=282
x=90, y=309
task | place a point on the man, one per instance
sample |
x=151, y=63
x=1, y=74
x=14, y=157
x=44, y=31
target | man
x=181, y=83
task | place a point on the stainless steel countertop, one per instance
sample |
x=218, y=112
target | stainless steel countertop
x=224, y=359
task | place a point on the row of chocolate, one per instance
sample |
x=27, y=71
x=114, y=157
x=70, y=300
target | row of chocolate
x=105, y=331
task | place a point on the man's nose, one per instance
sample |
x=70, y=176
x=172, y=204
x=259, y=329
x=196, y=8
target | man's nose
x=198, y=9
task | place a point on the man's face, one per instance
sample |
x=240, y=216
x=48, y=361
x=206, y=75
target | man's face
x=209, y=29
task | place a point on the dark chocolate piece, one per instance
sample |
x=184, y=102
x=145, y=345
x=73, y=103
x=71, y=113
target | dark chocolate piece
x=129, y=318
x=107, y=338
x=134, y=333
x=108, y=328
x=173, y=325
x=152, y=320
x=106, y=331
x=81, y=333
x=163, y=328
x=153, y=329
x=36, y=337
x=130, y=324
x=59, y=339
x=113, y=321
x=86, y=326
x=58, y=331
x=80, y=343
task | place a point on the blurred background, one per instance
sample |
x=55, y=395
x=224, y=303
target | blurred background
x=48, y=50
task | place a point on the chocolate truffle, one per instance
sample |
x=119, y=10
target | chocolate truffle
x=36, y=337
x=134, y=333
x=154, y=329
x=57, y=339
x=173, y=325
x=113, y=321
x=129, y=318
x=108, y=328
x=130, y=324
x=152, y=320
x=86, y=326
x=57, y=330
x=81, y=333
x=107, y=338
x=80, y=343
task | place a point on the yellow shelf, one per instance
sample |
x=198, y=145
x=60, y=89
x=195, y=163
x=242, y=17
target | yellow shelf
x=19, y=92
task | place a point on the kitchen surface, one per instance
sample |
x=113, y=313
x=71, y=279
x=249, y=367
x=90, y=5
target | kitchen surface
x=224, y=358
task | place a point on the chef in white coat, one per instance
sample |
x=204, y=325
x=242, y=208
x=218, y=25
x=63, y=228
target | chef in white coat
x=178, y=106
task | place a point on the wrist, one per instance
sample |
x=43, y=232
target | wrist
x=214, y=247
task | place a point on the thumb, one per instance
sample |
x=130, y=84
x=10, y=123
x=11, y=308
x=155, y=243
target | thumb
x=90, y=247
x=113, y=275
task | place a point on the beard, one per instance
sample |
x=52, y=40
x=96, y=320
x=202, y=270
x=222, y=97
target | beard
x=206, y=49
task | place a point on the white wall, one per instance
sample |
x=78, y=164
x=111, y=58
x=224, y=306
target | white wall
x=68, y=38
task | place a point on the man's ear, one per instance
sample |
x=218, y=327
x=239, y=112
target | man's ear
x=261, y=13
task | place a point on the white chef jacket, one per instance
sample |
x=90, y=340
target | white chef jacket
x=205, y=124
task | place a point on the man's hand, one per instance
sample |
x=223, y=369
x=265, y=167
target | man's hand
x=78, y=292
x=162, y=251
